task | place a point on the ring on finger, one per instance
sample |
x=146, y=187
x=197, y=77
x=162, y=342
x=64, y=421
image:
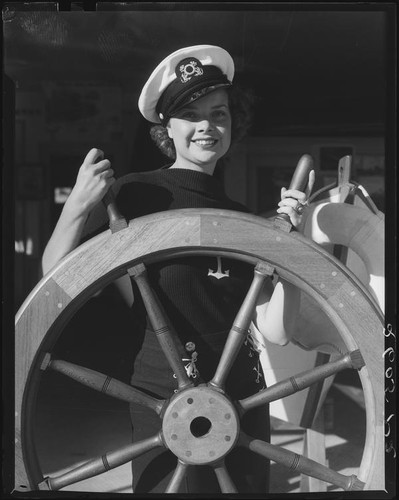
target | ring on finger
x=300, y=207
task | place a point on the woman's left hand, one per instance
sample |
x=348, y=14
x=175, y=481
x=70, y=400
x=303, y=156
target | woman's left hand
x=294, y=202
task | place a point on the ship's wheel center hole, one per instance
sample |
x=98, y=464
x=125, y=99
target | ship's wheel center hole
x=200, y=426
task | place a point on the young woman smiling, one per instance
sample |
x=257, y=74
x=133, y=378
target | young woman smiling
x=201, y=132
x=197, y=114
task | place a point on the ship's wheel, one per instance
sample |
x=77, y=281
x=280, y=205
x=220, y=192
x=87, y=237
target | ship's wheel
x=177, y=233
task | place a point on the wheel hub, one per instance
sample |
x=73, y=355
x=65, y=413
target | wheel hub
x=200, y=425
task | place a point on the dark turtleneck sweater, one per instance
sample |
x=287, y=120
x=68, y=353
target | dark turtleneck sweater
x=200, y=307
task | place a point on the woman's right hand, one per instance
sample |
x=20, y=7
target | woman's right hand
x=94, y=179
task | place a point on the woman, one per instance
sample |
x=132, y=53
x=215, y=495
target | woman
x=191, y=100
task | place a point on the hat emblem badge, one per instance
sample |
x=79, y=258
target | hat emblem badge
x=190, y=69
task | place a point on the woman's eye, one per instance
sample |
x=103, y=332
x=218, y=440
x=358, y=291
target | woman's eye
x=188, y=115
x=220, y=114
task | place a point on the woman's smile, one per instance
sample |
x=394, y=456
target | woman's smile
x=201, y=131
x=205, y=143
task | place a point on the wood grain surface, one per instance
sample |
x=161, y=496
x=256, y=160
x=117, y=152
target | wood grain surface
x=218, y=232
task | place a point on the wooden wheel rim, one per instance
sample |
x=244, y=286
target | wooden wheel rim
x=199, y=231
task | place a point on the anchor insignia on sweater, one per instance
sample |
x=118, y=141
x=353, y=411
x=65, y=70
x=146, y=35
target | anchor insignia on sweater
x=219, y=274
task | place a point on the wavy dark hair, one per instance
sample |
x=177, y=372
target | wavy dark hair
x=241, y=108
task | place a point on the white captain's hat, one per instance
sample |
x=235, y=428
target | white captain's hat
x=182, y=77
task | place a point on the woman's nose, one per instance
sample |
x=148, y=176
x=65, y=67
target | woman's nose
x=205, y=125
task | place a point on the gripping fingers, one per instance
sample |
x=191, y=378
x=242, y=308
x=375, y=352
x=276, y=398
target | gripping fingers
x=290, y=205
x=106, y=174
x=93, y=155
x=286, y=209
x=102, y=166
x=291, y=202
x=294, y=216
x=300, y=195
x=94, y=179
x=294, y=194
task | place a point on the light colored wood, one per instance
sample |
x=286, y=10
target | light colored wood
x=239, y=330
x=350, y=193
x=107, y=385
x=315, y=448
x=225, y=482
x=319, y=332
x=205, y=232
x=344, y=173
x=299, y=463
x=314, y=396
x=177, y=478
x=301, y=381
x=102, y=464
x=339, y=190
x=116, y=220
x=359, y=230
x=161, y=325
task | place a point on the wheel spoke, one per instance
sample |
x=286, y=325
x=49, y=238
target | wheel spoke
x=299, y=463
x=224, y=479
x=177, y=478
x=302, y=381
x=102, y=464
x=241, y=324
x=166, y=336
x=102, y=383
